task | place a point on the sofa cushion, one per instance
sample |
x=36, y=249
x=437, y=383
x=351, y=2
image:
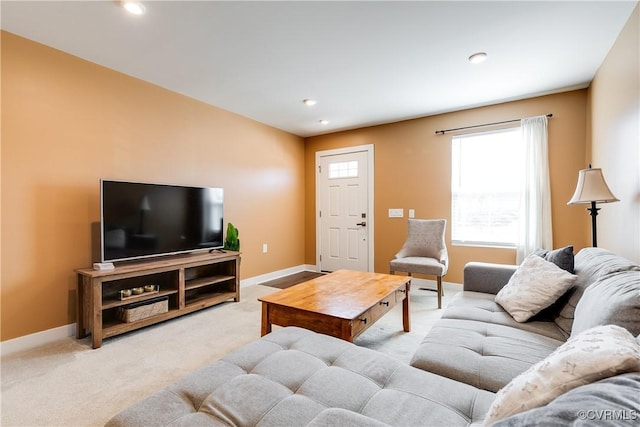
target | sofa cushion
x=482, y=307
x=614, y=299
x=597, y=353
x=535, y=285
x=481, y=354
x=607, y=403
x=562, y=257
x=297, y=377
x=590, y=265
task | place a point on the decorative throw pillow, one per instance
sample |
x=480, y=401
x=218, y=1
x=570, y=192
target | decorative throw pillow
x=562, y=257
x=591, y=404
x=595, y=354
x=535, y=285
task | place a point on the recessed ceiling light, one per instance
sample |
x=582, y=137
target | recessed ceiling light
x=134, y=7
x=310, y=102
x=324, y=122
x=477, y=58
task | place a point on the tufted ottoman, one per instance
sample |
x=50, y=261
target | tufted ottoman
x=295, y=377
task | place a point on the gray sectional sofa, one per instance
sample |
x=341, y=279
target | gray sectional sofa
x=294, y=377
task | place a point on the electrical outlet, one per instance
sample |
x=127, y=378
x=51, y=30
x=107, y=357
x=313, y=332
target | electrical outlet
x=265, y=248
x=412, y=213
x=396, y=213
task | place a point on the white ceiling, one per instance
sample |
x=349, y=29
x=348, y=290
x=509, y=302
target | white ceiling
x=365, y=62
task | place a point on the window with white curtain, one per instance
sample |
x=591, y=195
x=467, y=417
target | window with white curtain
x=486, y=182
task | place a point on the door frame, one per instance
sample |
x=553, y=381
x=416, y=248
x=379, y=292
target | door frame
x=369, y=149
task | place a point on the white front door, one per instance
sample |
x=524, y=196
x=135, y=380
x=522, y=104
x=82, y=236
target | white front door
x=345, y=224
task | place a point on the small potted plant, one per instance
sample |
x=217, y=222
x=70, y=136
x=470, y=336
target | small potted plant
x=232, y=242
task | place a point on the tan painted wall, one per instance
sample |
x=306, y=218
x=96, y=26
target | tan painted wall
x=66, y=123
x=413, y=171
x=615, y=140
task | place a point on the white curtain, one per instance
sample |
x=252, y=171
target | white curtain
x=534, y=228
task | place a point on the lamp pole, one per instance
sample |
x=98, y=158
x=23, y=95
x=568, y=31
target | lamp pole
x=593, y=212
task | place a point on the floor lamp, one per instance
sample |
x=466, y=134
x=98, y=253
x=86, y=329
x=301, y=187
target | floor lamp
x=592, y=189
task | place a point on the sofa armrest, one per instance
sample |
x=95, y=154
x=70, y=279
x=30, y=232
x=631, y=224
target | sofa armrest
x=486, y=277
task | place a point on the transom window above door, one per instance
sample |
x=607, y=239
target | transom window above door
x=343, y=170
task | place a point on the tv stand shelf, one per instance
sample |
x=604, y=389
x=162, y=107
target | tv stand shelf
x=188, y=282
x=198, y=283
x=112, y=303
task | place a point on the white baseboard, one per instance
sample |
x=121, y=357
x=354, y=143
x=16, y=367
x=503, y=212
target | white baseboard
x=276, y=275
x=37, y=339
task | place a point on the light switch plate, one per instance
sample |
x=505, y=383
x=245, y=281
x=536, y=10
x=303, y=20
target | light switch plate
x=396, y=213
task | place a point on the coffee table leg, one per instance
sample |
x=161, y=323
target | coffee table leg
x=346, y=331
x=406, y=316
x=266, y=322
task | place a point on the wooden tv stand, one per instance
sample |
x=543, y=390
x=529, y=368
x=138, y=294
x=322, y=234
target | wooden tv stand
x=189, y=282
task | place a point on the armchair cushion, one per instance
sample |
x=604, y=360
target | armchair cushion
x=419, y=265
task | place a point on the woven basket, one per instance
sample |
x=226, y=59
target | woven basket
x=135, y=312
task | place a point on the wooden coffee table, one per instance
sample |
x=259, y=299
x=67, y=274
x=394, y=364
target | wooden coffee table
x=342, y=304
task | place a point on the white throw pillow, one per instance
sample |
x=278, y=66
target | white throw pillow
x=534, y=286
x=595, y=354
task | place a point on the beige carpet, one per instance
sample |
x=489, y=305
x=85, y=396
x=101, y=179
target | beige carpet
x=69, y=384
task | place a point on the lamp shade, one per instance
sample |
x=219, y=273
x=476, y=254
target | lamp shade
x=592, y=188
x=144, y=203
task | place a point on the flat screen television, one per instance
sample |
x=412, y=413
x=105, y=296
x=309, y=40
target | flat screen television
x=139, y=220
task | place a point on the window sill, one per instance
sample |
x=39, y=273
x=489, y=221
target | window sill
x=484, y=245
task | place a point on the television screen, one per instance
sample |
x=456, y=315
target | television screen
x=142, y=220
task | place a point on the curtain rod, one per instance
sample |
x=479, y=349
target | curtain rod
x=442, y=132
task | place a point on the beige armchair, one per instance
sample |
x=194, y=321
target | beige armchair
x=424, y=251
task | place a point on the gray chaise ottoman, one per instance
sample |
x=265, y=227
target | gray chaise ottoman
x=294, y=377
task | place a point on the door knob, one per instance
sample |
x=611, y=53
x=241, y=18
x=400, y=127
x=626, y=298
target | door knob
x=362, y=223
